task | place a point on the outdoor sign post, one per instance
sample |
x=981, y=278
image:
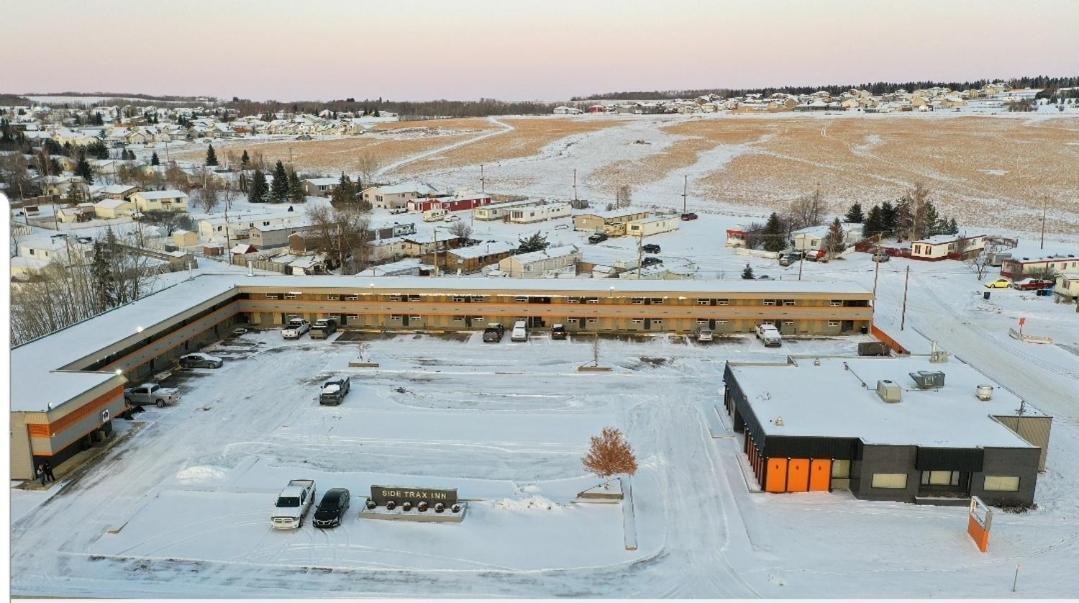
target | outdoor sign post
x=979, y=523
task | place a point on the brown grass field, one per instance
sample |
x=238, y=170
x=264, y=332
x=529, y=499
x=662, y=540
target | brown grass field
x=528, y=137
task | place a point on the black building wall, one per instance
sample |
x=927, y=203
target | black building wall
x=1021, y=462
x=884, y=459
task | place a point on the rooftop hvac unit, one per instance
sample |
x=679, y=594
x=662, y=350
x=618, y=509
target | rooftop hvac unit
x=938, y=356
x=985, y=392
x=889, y=390
x=928, y=379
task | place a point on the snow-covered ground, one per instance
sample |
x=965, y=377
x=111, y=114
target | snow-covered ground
x=181, y=508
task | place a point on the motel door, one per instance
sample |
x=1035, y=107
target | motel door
x=536, y=322
x=404, y=320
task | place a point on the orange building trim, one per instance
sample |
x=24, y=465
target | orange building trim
x=47, y=430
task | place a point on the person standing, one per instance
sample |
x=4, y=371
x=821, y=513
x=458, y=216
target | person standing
x=41, y=473
x=47, y=466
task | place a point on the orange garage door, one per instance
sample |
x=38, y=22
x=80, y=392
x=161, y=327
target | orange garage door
x=798, y=475
x=820, y=475
x=777, y=475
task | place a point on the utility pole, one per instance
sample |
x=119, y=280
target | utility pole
x=640, y=253
x=167, y=151
x=290, y=156
x=876, y=275
x=483, y=188
x=575, y=184
x=906, y=283
x=1045, y=200
x=685, y=189
x=801, y=262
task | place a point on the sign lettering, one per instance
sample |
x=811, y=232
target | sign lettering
x=400, y=494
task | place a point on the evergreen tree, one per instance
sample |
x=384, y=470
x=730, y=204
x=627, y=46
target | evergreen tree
x=934, y=225
x=535, y=242
x=834, y=241
x=874, y=222
x=257, y=190
x=245, y=160
x=344, y=192
x=774, y=234
x=82, y=168
x=904, y=218
x=295, y=188
x=747, y=274
x=211, y=156
x=154, y=160
x=855, y=215
x=279, y=186
x=953, y=228
x=887, y=218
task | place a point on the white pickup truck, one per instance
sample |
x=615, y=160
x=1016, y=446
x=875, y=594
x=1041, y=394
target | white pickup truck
x=769, y=335
x=151, y=393
x=295, y=328
x=292, y=504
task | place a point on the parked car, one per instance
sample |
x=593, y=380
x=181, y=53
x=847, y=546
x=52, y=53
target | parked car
x=704, y=335
x=292, y=504
x=558, y=331
x=651, y=261
x=880, y=256
x=1032, y=284
x=597, y=237
x=764, y=277
x=200, y=360
x=519, y=332
x=239, y=331
x=817, y=255
x=399, y=210
x=688, y=216
x=494, y=332
x=451, y=218
x=650, y=248
x=1000, y=283
x=295, y=328
x=331, y=509
x=334, y=391
x=323, y=328
x=769, y=335
x=151, y=393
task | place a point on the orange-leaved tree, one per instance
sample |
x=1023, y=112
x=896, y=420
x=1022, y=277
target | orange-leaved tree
x=610, y=454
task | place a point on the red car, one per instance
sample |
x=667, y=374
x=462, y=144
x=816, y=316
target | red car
x=1032, y=284
x=689, y=216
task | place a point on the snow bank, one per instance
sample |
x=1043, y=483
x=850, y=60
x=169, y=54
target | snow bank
x=201, y=473
x=532, y=503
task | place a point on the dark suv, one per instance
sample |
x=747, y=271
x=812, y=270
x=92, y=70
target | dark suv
x=332, y=508
x=493, y=333
x=650, y=248
x=598, y=237
x=650, y=261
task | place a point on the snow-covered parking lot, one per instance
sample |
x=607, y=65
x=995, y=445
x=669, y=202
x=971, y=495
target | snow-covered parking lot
x=181, y=507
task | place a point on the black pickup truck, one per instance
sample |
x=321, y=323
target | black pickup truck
x=334, y=391
x=493, y=333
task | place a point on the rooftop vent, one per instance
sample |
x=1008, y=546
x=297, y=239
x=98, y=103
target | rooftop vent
x=889, y=390
x=928, y=379
x=985, y=392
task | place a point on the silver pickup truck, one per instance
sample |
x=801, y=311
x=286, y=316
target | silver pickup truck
x=292, y=504
x=151, y=393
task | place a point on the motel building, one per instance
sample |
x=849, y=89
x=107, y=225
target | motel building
x=901, y=429
x=67, y=387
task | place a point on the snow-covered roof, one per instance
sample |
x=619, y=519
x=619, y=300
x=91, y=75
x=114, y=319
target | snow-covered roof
x=166, y=194
x=1042, y=256
x=944, y=239
x=112, y=203
x=323, y=181
x=482, y=250
x=117, y=189
x=406, y=187
x=404, y=266
x=839, y=399
x=543, y=254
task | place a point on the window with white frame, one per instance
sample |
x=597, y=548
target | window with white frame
x=833, y=323
x=352, y=298
x=890, y=481
x=1001, y=483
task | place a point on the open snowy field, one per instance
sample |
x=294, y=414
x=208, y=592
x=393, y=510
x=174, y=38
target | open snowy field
x=180, y=507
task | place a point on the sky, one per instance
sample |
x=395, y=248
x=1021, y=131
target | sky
x=517, y=50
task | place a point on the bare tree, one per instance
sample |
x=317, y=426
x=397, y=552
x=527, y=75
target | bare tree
x=623, y=196
x=610, y=454
x=368, y=165
x=342, y=234
x=208, y=194
x=177, y=178
x=806, y=211
x=461, y=230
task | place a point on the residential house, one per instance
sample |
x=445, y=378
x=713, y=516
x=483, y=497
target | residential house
x=167, y=200
x=611, y=222
x=500, y=211
x=538, y=263
x=1022, y=265
x=812, y=238
x=651, y=226
x=540, y=213
x=268, y=237
x=117, y=191
x=83, y=212
x=466, y=260
x=397, y=195
x=108, y=209
x=184, y=238
x=941, y=247
x=458, y=202
x=1067, y=286
x=320, y=187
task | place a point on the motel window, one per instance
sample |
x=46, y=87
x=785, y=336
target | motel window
x=657, y=323
x=479, y=298
x=415, y=318
x=573, y=300
x=273, y=296
x=891, y=481
x=940, y=478
x=333, y=297
x=458, y=319
x=592, y=300
x=836, y=302
x=769, y=302
x=291, y=296
x=702, y=322
x=459, y=298
x=788, y=302
x=721, y=322
x=833, y=323
x=352, y=298
x=788, y=323
x=521, y=298
x=591, y=321
x=723, y=302
x=395, y=298
x=704, y=302
x=1001, y=483
x=413, y=298
x=841, y=469
x=637, y=321
x=657, y=300
x=638, y=300
x=477, y=319
x=395, y=317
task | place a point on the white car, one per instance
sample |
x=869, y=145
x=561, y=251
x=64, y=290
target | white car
x=451, y=218
x=769, y=335
x=704, y=335
x=295, y=328
x=519, y=332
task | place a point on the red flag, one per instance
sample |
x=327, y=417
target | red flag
x=1022, y=320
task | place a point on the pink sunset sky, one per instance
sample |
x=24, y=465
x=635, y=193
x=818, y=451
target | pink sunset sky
x=550, y=50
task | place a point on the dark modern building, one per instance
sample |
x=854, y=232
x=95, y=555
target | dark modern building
x=904, y=429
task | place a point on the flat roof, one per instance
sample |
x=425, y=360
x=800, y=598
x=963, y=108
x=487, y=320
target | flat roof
x=830, y=400
x=36, y=382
